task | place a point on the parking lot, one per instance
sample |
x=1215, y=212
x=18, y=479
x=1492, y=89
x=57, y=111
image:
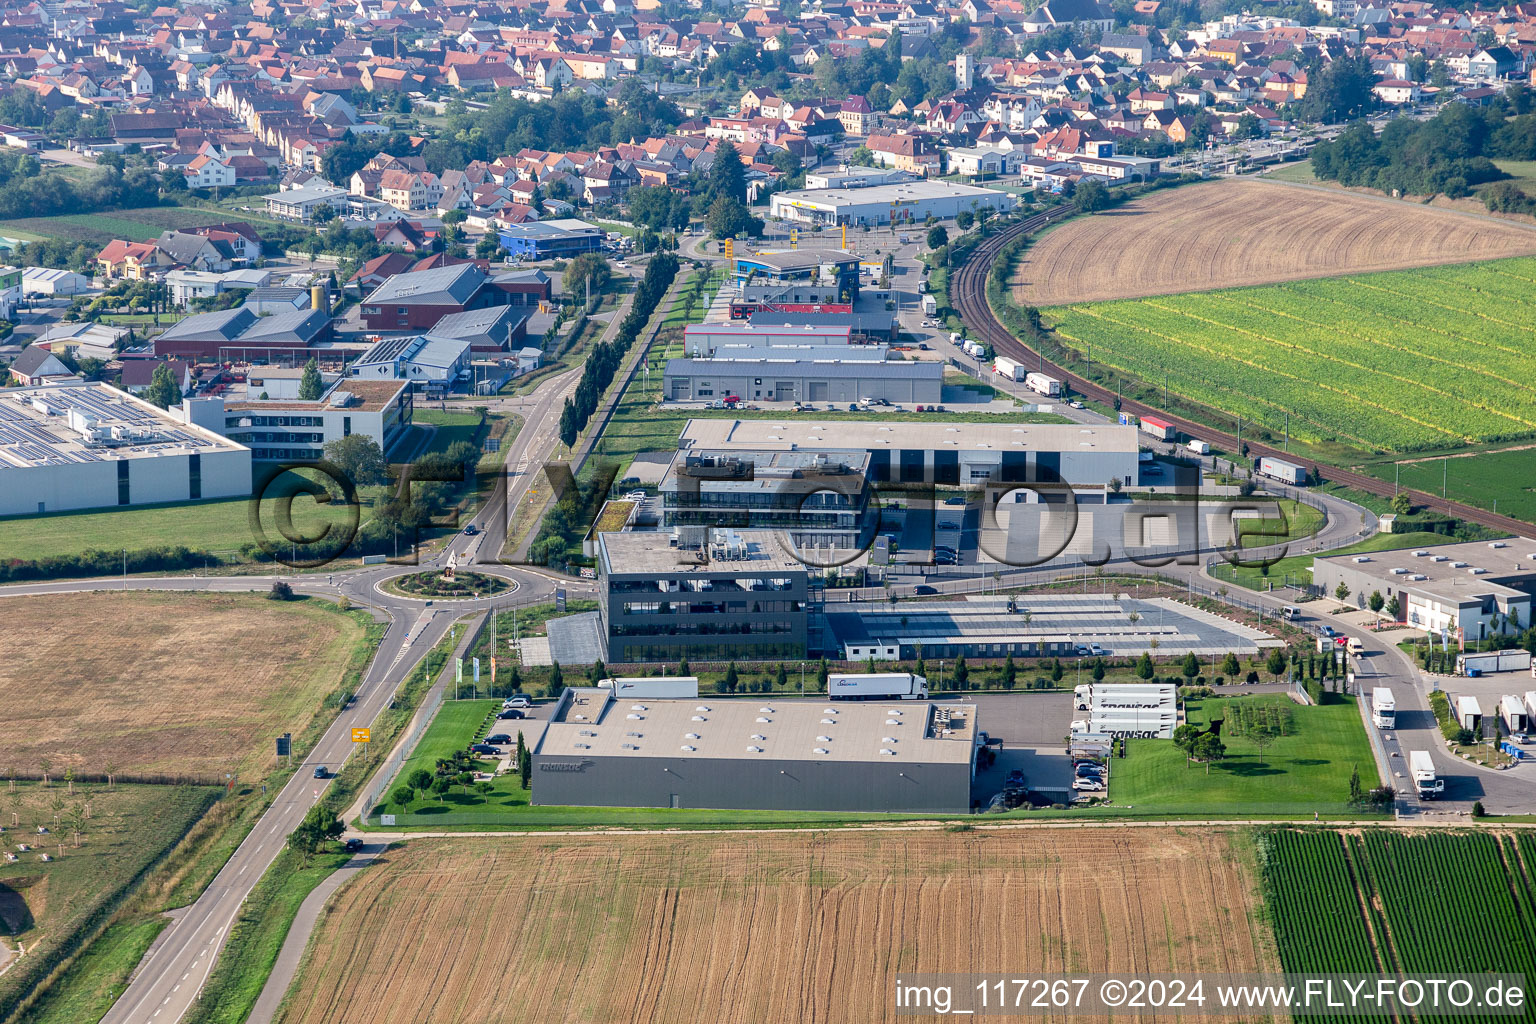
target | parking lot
x=1033, y=729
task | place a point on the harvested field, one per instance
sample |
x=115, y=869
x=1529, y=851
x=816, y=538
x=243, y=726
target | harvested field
x=1244, y=231
x=164, y=683
x=763, y=928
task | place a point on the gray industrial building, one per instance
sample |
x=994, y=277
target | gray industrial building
x=941, y=451
x=1469, y=590
x=776, y=375
x=702, y=340
x=693, y=592
x=599, y=750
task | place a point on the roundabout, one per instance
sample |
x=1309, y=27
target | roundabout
x=447, y=585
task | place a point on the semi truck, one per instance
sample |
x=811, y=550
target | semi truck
x=877, y=686
x=930, y=305
x=1160, y=429
x=1199, y=447
x=1041, y=384
x=1423, y=770
x=1285, y=472
x=1383, y=707
x=653, y=687
x=1005, y=367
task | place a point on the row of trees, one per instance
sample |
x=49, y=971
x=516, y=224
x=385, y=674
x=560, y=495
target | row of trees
x=603, y=358
x=1449, y=153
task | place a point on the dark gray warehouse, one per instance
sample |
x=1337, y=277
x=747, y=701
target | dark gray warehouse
x=602, y=751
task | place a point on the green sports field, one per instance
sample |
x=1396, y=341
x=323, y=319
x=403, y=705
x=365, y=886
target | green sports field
x=1400, y=361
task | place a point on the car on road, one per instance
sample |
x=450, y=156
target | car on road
x=954, y=501
x=352, y=845
x=518, y=700
x=948, y=524
x=320, y=771
x=498, y=739
x=471, y=530
x=922, y=590
x=1326, y=631
x=1074, y=404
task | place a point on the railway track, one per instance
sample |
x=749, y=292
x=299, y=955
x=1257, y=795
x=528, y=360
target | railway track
x=968, y=295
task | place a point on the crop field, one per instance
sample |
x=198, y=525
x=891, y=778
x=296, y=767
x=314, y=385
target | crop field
x=1377, y=902
x=1500, y=481
x=166, y=683
x=1245, y=232
x=765, y=928
x=1400, y=361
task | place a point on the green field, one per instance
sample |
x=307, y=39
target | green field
x=1304, y=771
x=1399, y=361
x=1501, y=482
x=139, y=224
x=1378, y=902
x=49, y=905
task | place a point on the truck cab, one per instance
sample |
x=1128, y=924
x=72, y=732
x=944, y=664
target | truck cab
x=1356, y=647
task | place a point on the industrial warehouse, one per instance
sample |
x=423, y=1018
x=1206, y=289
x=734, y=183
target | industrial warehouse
x=906, y=203
x=859, y=373
x=887, y=755
x=74, y=446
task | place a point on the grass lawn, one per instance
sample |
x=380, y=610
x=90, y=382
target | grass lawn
x=219, y=527
x=1298, y=568
x=1299, y=773
x=51, y=905
x=1300, y=171
x=1522, y=171
x=139, y=224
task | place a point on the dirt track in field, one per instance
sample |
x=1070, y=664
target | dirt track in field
x=1240, y=232
x=162, y=683
x=793, y=928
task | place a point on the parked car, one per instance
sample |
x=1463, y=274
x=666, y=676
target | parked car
x=1082, y=651
x=511, y=714
x=1015, y=779
x=1096, y=650
x=320, y=771
x=484, y=748
x=922, y=590
x=1075, y=404
x=498, y=739
x=517, y=700
x=954, y=501
x=949, y=524
x=1088, y=785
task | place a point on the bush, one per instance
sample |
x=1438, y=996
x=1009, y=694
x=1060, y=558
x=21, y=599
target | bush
x=280, y=591
x=95, y=562
x=1465, y=736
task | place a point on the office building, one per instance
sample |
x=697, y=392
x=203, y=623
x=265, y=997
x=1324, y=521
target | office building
x=294, y=430
x=708, y=595
x=786, y=375
x=909, y=203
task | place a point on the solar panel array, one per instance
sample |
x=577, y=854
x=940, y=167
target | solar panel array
x=25, y=439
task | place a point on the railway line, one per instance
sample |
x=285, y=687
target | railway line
x=968, y=295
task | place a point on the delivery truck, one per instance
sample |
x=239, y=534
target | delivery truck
x=653, y=687
x=1285, y=472
x=930, y=306
x=1042, y=384
x=1383, y=707
x=876, y=686
x=1005, y=367
x=1158, y=428
x=1199, y=447
x=1424, y=780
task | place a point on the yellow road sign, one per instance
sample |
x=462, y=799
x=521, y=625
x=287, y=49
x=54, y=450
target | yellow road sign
x=360, y=735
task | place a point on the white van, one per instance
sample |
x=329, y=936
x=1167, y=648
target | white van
x=1290, y=611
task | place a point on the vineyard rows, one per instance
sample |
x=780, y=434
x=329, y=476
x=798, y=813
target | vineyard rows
x=1397, y=361
x=1384, y=902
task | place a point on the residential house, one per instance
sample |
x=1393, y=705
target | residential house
x=132, y=261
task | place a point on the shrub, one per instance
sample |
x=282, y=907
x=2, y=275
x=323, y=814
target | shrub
x=280, y=591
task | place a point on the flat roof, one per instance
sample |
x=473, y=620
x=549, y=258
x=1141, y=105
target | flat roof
x=741, y=551
x=785, y=361
x=800, y=259
x=593, y=722
x=1449, y=568
x=37, y=428
x=876, y=434
x=369, y=395
x=886, y=195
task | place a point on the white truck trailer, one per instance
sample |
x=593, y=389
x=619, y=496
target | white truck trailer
x=1424, y=780
x=1512, y=660
x=930, y=305
x=1043, y=384
x=1285, y=472
x=653, y=687
x=877, y=686
x=1383, y=708
x=1005, y=367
